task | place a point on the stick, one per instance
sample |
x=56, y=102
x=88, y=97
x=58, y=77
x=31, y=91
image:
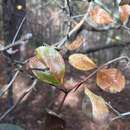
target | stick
x=19, y=100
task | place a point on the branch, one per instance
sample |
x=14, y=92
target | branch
x=21, y=24
x=19, y=42
x=10, y=83
x=121, y=116
x=62, y=102
x=98, y=69
x=74, y=31
x=19, y=100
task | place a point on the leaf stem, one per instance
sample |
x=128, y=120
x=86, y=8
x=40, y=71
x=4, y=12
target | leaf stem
x=98, y=69
x=62, y=102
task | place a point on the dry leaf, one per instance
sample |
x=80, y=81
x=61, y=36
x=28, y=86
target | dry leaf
x=45, y=76
x=100, y=111
x=81, y=62
x=110, y=80
x=53, y=60
x=76, y=43
x=124, y=12
x=100, y=16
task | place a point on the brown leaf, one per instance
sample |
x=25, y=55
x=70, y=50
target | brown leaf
x=81, y=62
x=100, y=111
x=100, y=16
x=110, y=80
x=53, y=60
x=45, y=76
x=124, y=12
x=76, y=43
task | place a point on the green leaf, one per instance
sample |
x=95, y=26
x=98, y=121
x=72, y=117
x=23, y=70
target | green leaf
x=53, y=60
x=9, y=127
x=44, y=76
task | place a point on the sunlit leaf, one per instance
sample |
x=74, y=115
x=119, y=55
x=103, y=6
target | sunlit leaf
x=6, y=126
x=45, y=76
x=100, y=16
x=81, y=62
x=100, y=111
x=53, y=60
x=76, y=43
x=110, y=80
x=124, y=12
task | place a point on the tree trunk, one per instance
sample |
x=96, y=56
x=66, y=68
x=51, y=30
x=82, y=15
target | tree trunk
x=13, y=13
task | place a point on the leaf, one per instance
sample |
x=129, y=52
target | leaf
x=100, y=16
x=6, y=126
x=81, y=62
x=53, y=60
x=45, y=76
x=76, y=43
x=100, y=111
x=124, y=12
x=110, y=80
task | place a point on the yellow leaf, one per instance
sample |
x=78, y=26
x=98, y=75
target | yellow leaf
x=81, y=62
x=110, y=80
x=100, y=111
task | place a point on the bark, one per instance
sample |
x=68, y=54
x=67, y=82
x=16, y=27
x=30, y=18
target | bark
x=12, y=17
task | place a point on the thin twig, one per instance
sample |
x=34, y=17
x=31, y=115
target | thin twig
x=98, y=69
x=10, y=83
x=18, y=30
x=62, y=102
x=19, y=42
x=19, y=100
x=74, y=30
x=121, y=116
x=113, y=109
x=39, y=69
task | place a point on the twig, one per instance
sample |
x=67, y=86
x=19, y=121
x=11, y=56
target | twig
x=113, y=109
x=21, y=24
x=121, y=116
x=66, y=92
x=74, y=30
x=19, y=100
x=62, y=102
x=21, y=62
x=11, y=45
x=10, y=83
x=39, y=69
x=98, y=69
x=19, y=42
